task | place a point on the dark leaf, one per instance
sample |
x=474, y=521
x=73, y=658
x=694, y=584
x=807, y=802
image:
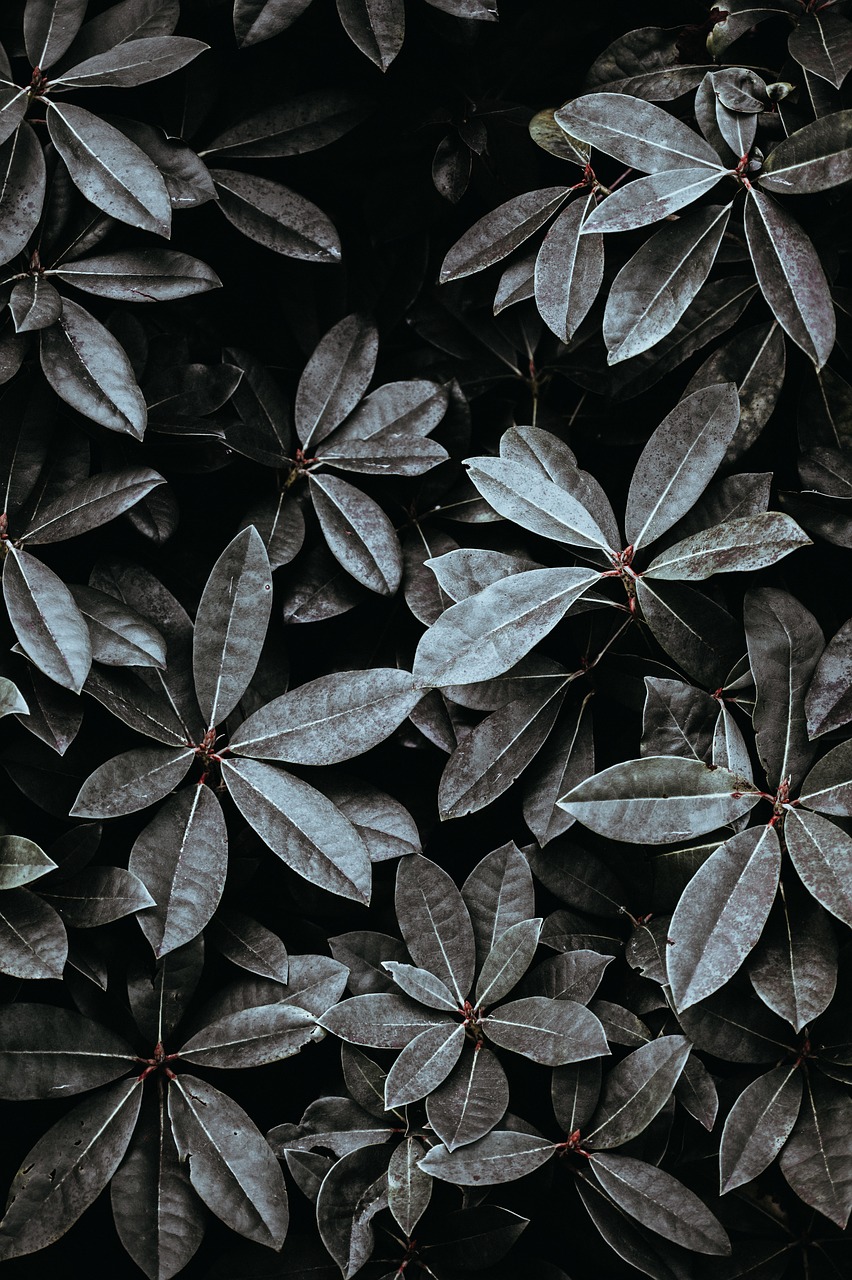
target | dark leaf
x=154, y=275
x=568, y=271
x=821, y=852
x=660, y=1202
x=359, y=534
x=822, y=43
x=471, y=1101
x=377, y=27
x=49, y=28
x=276, y=217
x=380, y=1021
x=501, y=1156
x=424, y=1063
x=435, y=923
x=33, y=942
x=496, y=235
x=549, y=1031
x=635, y=132
x=52, y=1053
x=47, y=622
x=816, y=1160
x=758, y=1125
x=498, y=893
x=827, y=705
x=97, y=895
x=249, y=944
x=133, y=62
x=635, y=1090
x=794, y=969
x=409, y=1189
x=132, y=781
x=352, y=1193
x=89, y=370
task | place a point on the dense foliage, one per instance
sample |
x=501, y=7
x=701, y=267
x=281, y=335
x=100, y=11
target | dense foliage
x=426, y=679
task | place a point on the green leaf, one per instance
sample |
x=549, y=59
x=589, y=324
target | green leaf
x=251, y=1037
x=758, y=1125
x=110, y=171
x=501, y=231
x=816, y=1160
x=811, y=159
x=158, y=1217
x=721, y=914
x=330, y=719
x=635, y=132
x=568, y=271
x=424, y=1064
x=501, y=1156
x=522, y=495
x=132, y=781
x=659, y=800
x=654, y=287
x=790, y=276
x=276, y=217
x=304, y=828
x=549, y=1031
x=740, y=545
x=230, y=625
x=821, y=852
x=359, y=534
x=635, y=1090
x=657, y=1200
x=409, y=1189
x=21, y=862
x=784, y=645
x=47, y=622
x=134, y=62
x=471, y=1101
x=231, y=1167
x=484, y=635
x=435, y=923
x=679, y=461
x=68, y=1168
x=90, y=370
x=53, y=1053
x=181, y=858
x=651, y=199
x=33, y=942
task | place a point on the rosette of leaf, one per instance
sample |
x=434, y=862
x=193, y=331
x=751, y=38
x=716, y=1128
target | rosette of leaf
x=656, y=288
x=339, y=428
x=377, y=28
x=70, y=894
x=330, y=836
x=166, y=1140
x=447, y=1025
x=536, y=483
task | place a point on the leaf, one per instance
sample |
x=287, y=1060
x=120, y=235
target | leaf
x=424, y=1063
x=97, y=895
x=568, y=271
x=676, y=720
x=522, y=495
x=822, y=43
x=754, y=359
x=301, y=826
x=421, y=985
x=814, y=158
x=330, y=719
x=157, y=1215
x=635, y=1090
x=409, y=1189
x=231, y=1167
x=112, y=172
x=566, y=759
x=498, y=894
x=353, y=1191
x=816, y=1160
x=335, y=378
x=507, y=961
x=484, y=635
x=21, y=862
x=68, y=1168
x=635, y=132
x=549, y=1031
x=696, y=1092
x=501, y=1156
x=740, y=545
x=51, y=1053
x=89, y=370
x=377, y=27
x=249, y=944
x=822, y=854
x=574, y=975
x=476, y=1237
x=127, y=20
x=120, y=636
x=827, y=705
x=92, y=503
x=648, y=200
x=794, y=970
x=784, y=645
x=574, y=1093
x=181, y=858
x=34, y=304
x=12, y=701
x=33, y=942
x=737, y=1028
x=659, y=799
x=758, y=1125
x=645, y=63
x=721, y=914
x=304, y=123
x=639, y=1247
x=654, y=288
x=359, y=534
x=435, y=924
x=230, y=625
x=14, y=101
x=49, y=28
x=497, y=234
x=386, y=827
x=256, y=20
x=134, y=62
x=251, y=1037
x=679, y=460
x=657, y=1200
x=152, y=275
x=47, y=622
x=472, y=1100
x=790, y=276
x=698, y=633
x=132, y=781
x=276, y=217
x=380, y=1021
